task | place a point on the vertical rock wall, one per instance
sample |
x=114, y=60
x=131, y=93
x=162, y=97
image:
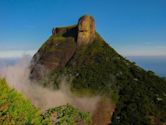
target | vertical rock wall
x=86, y=30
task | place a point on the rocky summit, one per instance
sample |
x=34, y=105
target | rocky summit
x=129, y=95
x=62, y=45
x=86, y=30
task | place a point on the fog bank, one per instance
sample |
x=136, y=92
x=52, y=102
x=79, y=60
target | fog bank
x=17, y=76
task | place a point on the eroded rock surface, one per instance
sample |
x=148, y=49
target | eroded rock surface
x=86, y=30
x=53, y=55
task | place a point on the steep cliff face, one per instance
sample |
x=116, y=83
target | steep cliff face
x=86, y=30
x=54, y=54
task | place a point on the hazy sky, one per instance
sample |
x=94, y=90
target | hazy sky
x=132, y=27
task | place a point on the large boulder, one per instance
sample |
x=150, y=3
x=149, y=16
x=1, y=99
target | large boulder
x=86, y=30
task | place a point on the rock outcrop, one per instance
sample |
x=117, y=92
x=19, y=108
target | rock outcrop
x=61, y=46
x=86, y=30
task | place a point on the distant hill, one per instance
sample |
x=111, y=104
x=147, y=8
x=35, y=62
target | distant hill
x=79, y=53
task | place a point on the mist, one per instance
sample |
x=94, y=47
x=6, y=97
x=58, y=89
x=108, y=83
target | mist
x=17, y=77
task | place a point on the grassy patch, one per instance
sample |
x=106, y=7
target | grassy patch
x=15, y=109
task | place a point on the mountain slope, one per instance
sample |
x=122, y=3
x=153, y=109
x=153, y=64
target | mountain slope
x=15, y=109
x=95, y=68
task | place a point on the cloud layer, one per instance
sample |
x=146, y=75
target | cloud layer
x=17, y=77
x=16, y=53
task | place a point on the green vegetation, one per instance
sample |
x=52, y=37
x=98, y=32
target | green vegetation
x=67, y=115
x=56, y=43
x=93, y=69
x=97, y=69
x=16, y=110
x=67, y=27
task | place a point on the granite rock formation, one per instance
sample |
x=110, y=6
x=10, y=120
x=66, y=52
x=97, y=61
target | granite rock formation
x=86, y=30
x=61, y=46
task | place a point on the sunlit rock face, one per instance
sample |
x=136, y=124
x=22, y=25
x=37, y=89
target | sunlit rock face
x=86, y=30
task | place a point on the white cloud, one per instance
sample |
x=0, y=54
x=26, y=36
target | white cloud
x=142, y=50
x=16, y=53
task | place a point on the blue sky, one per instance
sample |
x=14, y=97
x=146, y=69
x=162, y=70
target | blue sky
x=132, y=27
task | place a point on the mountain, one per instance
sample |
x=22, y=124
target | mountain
x=130, y=95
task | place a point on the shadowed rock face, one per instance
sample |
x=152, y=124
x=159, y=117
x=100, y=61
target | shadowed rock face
x=61, y=46
x=103, y=113
x=53, y=55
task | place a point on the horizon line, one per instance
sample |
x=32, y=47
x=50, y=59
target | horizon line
x=21, y=53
